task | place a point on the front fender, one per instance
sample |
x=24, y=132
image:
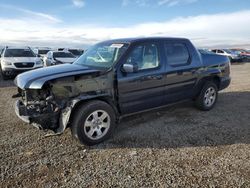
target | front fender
x=212, y=71
x=67, y=111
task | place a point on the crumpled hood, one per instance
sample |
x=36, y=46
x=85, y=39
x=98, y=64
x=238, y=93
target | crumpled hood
x=35, y=79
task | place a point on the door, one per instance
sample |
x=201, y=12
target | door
x=181, y=71
x=144, y=88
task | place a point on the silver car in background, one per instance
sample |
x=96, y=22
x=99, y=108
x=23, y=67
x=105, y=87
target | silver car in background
x=234, y=57
x=58, y=57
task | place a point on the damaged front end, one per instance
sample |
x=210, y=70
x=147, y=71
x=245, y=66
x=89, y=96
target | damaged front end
x=47, y=96
x=39, y=108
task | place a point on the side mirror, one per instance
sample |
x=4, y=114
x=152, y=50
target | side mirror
x=129, y=68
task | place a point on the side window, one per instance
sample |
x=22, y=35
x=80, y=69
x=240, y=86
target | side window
x=144, y=56
x=177, y=54
x=220, y=51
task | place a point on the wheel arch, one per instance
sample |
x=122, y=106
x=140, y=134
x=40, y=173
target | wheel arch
x=212, y=78
x=83, y=101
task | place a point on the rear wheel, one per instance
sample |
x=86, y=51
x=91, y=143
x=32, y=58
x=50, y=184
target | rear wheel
x=93, y=122
x=5, y=77
x=208, y=97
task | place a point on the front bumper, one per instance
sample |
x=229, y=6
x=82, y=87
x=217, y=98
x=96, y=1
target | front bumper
x=46, y=121
x=14, y=71
x=245, y=58
x=20, y=110
x=236, y=59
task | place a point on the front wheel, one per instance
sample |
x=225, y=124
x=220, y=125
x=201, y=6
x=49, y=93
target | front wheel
x=208, y=97
x=4, y=76
x=93, y=122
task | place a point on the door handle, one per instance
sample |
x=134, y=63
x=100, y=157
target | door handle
x=179, y=73
x=158, y=77
x=193, y=71
x=152, y=77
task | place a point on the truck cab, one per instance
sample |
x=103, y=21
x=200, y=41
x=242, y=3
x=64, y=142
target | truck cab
x=117, y=78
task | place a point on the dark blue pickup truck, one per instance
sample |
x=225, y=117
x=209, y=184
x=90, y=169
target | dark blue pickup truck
x=117, y=78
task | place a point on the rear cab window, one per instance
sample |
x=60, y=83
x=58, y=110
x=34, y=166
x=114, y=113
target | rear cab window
x=177, y=54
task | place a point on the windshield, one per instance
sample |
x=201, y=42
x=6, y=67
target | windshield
x=102, y=55
x=228, y=51
x=18, y=53
x=243, y=51
x=63, y=55
x=236, y=51
x=43, y=51
x=76, y=52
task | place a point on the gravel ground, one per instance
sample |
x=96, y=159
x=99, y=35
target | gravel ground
x=178, y=146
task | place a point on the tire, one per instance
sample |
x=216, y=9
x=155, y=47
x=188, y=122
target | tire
x=88, y=126
x=231, y=59
x=4, y=76
x=207, y=97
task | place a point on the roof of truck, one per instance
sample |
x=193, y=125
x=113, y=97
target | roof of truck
x=141, y=39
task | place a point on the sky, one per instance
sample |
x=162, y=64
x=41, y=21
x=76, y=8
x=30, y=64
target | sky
x=80, y=23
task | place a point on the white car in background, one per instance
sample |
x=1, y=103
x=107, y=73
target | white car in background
x=229, y=53
x=15, y=60
x=42, y=51
x=75, y=51
x=58, y=57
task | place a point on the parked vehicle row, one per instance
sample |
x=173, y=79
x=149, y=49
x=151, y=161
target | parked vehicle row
x=235, y=55
x=15, y=60
x=244, y=54
x=49, y=57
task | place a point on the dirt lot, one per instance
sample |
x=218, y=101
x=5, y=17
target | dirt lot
x=177, y=146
